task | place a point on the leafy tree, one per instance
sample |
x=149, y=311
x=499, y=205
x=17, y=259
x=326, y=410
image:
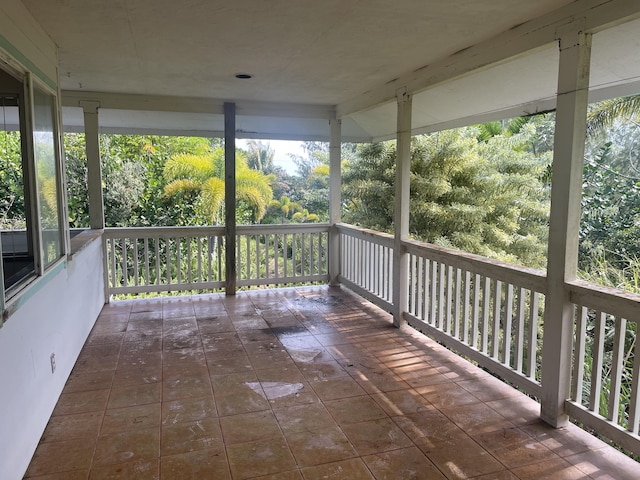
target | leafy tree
x=12, y=206
x=260, y=156
x=203, y=175
x=486, y=197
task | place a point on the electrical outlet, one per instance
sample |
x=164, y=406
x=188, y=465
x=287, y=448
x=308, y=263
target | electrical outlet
x=53, y=362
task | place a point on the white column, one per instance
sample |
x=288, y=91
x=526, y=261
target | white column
x=335, y=199
x=94, y=167
x=401, y=208
x=230, y=197
x=564, y=223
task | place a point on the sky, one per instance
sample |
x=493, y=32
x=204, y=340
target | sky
x=282, y=150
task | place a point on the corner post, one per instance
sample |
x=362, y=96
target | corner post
x=564, y=223
x=335, y=199
x=94, y=167
x=401, y=207
x=230, y=197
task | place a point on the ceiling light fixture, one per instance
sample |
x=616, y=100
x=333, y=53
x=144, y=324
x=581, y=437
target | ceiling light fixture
x=243, y=76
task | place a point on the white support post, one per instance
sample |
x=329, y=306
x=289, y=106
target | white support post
x=401, y=208
x=564, y=223
x=94, y=167
x=230, y=197
x=335, y=199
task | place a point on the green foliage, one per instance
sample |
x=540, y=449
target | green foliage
x=482, y=196
x=12, y=206
x=203, y=175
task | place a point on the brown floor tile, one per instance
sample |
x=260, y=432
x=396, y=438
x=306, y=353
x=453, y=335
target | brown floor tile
x=447, y=395
x=138, y=470
x=137, y=376
x=337, y=388
x=355, y=410
x=248, y=427
x=243, y=402
x=56, y=457
x=555, y=469
x=519, y=410
x=605, y=463
x=226, y=366
x=460, y=457
x=566, y=441
x=137, y=342
x=135, y=395
x=401, y=402
x=262, y=457
x=191, y=436
x=514, y=448
x=282, y=394
x=299, y=418
x=202, y=464
x=292, y=475
x=406, y=464
x=183, y=355
x=130, y=418
x=140, y=359
x=128, y=446
x=89, y=381
x=314, y=447
x=352, y=469
x=274, y=358
x=428, y=428
x=186, y=386
x=376, y=436
x=489, y=389
x=476, y=418
x=81, y=402
x=74, y=475
x=67, y=427
x=188, y=410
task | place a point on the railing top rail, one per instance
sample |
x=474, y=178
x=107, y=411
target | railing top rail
x=515, y=274
x=283, y=228
x=159, y=232
x=381, y=238
x=605, y=299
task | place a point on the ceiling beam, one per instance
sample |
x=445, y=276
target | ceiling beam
x=160, y=103
x=581, y=15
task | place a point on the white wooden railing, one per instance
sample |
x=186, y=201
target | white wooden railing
x=605, y=390
x=487, y=310
x=282, y=254
x=366, y=263
x=165, y=259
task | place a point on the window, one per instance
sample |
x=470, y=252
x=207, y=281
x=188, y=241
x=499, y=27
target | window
x=31, y=206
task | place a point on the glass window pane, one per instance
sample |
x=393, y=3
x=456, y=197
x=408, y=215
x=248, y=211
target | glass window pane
x=47, y=175
x=18, y=262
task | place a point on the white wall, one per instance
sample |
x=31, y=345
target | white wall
x=57, y=318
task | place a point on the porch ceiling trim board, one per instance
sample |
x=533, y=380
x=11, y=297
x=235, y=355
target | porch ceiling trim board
x=586, y=15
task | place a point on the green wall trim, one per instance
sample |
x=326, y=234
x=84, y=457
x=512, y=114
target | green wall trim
x=17, y=54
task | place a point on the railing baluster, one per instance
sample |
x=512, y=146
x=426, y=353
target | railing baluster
x=475, y=311
x=577, y=377
x=616, y=368
x=189, y=259
x=125, y=269
x=486, y=308
x=433, y=300
x=449, y=299
x=146, y=262
x=596, y=363
x=634, y=404
x=178, y=241
x=497, y=300
x=508, y=318
x=466, y=307
x=533, y=334
x=157, y=255
x=136, y=280
x=518, y=353
x=456, y=306
x=258, y=273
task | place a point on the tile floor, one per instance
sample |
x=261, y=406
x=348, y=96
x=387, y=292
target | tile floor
x=311, y=383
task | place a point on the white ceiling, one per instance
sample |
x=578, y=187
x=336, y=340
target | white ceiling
x=306, y=52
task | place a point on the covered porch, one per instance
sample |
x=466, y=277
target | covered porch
x=292, y=383
x=237, y=385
